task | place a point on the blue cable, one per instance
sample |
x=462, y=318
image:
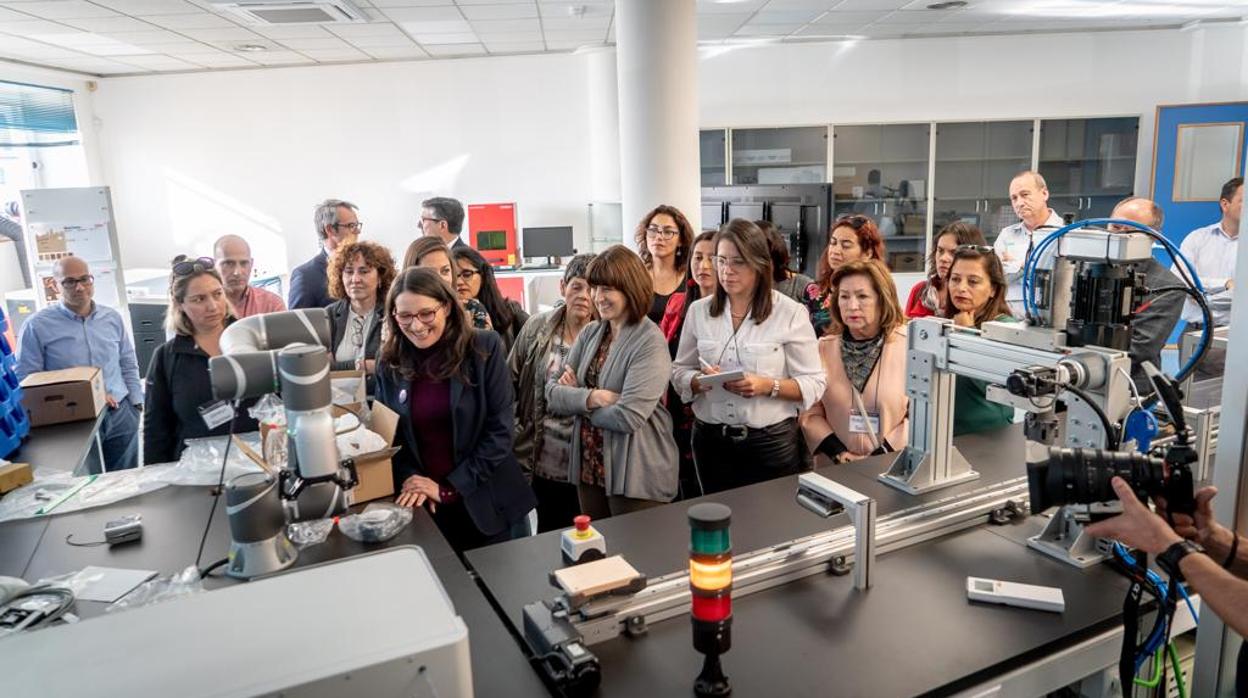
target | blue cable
x=1158, y=636
x=1032, y=261
x=1190, y=607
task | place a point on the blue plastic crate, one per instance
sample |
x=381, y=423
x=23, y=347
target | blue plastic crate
x=5, y=349
x=12, y=431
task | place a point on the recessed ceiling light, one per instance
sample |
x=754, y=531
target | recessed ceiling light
x=947, y=5
x=251, y=48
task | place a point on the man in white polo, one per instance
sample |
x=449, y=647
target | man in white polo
x=1029, y=195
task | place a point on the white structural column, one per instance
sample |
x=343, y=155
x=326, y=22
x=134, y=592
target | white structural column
x=657, y=47
x=604, y=125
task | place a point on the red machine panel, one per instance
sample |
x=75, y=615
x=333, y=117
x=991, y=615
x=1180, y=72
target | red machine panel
x=492, y=231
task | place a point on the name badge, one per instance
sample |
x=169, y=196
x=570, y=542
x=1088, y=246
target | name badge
x=217, y=413
x=858, y=424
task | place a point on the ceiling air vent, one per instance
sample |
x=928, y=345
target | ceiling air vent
x=276, y=12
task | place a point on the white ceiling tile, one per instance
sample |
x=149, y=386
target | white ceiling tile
x=510, y=36
x=577, y=35
x=293, y=31
x=64, y=9
x=278, y=58
x=501, y=47
x=828, y=31
x=575, y=10
x=733, y=20
x=189, y=50
x=477, y=12
x=424, y=14
x=156, y=62
x=148, y=38
x=25, y=48
x=399, y=39
x=801, y=5
x=768, y=29
x=328, y=42
x=711, y=7
x=837, y=17
x=11, y=16
x=506, y=25
x=149, y=7
x=98, y=66
x=443, y=39
x=336, y=54
x=199, y=20
x=33, y=26
x=110, y=24
x=350, y=31
x=565, y=45
x=854, y=5
x=575, y=23
x=786, y=16
x=463, y=3
x=223, y=60
x=386, y=4
x=450, y=26
x=221, y=34
x=387, y=52
x=919, y=17
x=456, y=50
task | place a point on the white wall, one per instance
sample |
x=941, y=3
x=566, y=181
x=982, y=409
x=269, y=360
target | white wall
x=193, y=156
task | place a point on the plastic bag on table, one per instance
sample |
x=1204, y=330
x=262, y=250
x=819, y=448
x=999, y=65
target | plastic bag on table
x=359, y=441
x=160, y=589
x=200, y=463
x=379, y=522
x=268, y=409
x=307, y=533
x=74, y=581
x=88, y=491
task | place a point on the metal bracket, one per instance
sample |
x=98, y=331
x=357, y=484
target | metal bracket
x=1063, y=538
x=824, y=497
x=914, y=471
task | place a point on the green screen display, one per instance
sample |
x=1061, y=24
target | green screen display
x=491, y=240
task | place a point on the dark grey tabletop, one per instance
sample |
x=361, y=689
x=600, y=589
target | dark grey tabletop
x=913, y=633
x=173, y=521
x=61, y=447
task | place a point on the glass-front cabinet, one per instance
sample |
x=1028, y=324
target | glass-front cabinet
x=780, y=155
x=974, y=164
x=1089, y=164
x=711, y=146
x=881, y=171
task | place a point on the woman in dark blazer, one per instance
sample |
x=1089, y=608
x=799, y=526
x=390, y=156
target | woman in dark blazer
x=198, y=313
x=450, y=386
x=360, y=273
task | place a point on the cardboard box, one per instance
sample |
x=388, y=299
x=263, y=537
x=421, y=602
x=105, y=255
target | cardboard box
x=352, y=383
x=374, y=470
x=67, y=395
x=14, y=475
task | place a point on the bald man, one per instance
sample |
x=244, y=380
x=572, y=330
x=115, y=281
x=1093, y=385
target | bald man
x=76, y=331
x=233, y=259
x=1029, y=196
x=1157, y=315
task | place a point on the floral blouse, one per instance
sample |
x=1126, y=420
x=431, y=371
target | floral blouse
x=593, y=467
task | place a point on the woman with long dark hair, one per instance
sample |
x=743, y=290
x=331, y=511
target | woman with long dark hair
x=450, y=386
x=474, y=280
x=977, y=289
x=928, y=297
x=851, y=238
x=664, y=238
x=430, y=252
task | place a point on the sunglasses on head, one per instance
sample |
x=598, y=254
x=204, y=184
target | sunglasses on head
x=979, y=249
x=186, y=267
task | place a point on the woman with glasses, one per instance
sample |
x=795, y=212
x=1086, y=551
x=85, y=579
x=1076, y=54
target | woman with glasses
x=746, y=430
x=474, y=280
x=449, y=385
x=929, y=297
x=360, y=273
x=863, y=410
x=852, y=237
x=663, y=239
x=432, y=253
x=623, y=457
x=977, y=288
x=178, y=382
x=543, y=442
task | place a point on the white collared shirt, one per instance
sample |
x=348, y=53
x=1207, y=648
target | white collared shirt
x=1012, y=246
x=1213, y=253
x=782, y=346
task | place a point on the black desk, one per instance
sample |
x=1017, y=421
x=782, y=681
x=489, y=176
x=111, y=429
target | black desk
x=71, y=447
x=173, y=520
x=913, y=633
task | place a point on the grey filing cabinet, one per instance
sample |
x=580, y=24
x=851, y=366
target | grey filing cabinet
x=147, y=317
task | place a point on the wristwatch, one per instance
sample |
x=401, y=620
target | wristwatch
x=1169, y=559
x=775, y=387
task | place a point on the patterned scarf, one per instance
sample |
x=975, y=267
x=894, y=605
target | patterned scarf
x=859, y=357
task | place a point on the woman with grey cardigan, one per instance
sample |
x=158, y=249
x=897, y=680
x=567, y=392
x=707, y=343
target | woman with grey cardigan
x=623, y=455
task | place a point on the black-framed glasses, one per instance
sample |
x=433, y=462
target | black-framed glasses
x=426, y=316
x=355, y=227
x=357, y=333
x=654, y=231
x=76, y=281
x=431, y=219
x=467, y=274
x=980, y=249
x=186, y=267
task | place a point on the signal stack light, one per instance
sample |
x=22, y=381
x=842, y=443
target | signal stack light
x=710, y=586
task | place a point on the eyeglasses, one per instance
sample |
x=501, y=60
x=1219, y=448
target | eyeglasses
x=980, y=249
x=728, y=262
x=357, y=333
x=467, y=274
x=654, y=231
x=186, y=267
x=353, y=227
x=426, y=316
x=430, y=219
x=76, y=281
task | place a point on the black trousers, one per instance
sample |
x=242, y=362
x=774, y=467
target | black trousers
x=459, y=530
x=728, y=457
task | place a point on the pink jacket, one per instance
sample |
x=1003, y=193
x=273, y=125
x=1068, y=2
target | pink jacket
x=884, y=394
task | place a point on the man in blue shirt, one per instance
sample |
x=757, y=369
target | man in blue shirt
x=77, y=332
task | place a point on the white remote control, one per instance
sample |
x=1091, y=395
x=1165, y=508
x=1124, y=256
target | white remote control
x=1014, y=594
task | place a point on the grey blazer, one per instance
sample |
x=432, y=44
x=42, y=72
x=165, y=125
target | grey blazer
x=639, y=451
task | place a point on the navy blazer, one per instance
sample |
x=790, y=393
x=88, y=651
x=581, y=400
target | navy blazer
x=486, y=474
x=309, y=284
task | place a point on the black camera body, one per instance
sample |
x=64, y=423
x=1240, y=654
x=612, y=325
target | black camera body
x=1082, y=476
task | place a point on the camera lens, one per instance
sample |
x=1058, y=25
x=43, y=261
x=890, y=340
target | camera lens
x=1082, y=476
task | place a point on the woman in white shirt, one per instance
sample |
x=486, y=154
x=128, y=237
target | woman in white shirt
x=746, y=431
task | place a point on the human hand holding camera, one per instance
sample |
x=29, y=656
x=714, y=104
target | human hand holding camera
x=1136, y=527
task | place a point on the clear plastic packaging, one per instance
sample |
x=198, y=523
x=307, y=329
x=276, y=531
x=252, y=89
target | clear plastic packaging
x=308, y=533
x=160, y=589
x=200, y=463
x=268, y=409
x=379, y=522
x=29, y=500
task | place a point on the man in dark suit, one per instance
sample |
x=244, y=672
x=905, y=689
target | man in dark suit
x=337, y=223
x=443, y=217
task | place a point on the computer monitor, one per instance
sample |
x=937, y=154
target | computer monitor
x=554, y=241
